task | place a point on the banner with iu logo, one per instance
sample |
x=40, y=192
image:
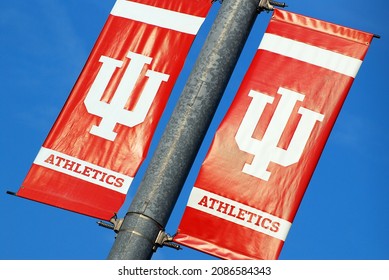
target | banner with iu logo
x=102, y=135
x=265, y=151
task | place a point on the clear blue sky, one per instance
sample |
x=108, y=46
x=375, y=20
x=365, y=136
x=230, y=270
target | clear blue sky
x=44, y=45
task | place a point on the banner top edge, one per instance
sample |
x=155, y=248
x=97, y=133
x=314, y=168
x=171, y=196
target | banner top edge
x=323, y=26
x=153, y=15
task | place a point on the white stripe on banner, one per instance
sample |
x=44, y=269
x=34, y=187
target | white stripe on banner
x=83, y=170
x=157, y=16
x=239, y=213
x=314, y=55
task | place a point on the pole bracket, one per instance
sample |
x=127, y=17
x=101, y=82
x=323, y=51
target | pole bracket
x=268, y=5
x=114, y=224
x=164, y=239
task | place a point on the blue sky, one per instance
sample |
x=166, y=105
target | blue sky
x=44, y=45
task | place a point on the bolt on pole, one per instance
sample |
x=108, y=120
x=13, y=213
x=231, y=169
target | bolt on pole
x=167, y=171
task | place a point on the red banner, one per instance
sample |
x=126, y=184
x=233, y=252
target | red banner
x=265, y=151
x=103, y=132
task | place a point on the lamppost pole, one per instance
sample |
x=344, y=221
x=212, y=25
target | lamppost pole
x=181, y=140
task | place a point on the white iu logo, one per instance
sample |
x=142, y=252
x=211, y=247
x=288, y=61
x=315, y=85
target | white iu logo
x=114, y=112
x=266, y=150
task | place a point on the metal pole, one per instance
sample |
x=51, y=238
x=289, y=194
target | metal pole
x=177, y=149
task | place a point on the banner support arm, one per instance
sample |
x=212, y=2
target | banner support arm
x=268, y=5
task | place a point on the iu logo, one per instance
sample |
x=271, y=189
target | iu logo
x=114, y=112
x=266, y=150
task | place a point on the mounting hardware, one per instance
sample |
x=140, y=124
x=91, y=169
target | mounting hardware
x=113, y=224
x=268, y=5
x=164, y=239
x=11, y=193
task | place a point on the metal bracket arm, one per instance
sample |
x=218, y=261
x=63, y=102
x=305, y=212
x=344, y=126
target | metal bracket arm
x=164, y=239
x=268, y=5
x=114, y=224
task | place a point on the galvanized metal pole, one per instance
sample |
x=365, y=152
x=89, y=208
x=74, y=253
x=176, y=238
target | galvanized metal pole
x=177, y=149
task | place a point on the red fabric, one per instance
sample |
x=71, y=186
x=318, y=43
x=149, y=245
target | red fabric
x=71, y=133
x=324, y=92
